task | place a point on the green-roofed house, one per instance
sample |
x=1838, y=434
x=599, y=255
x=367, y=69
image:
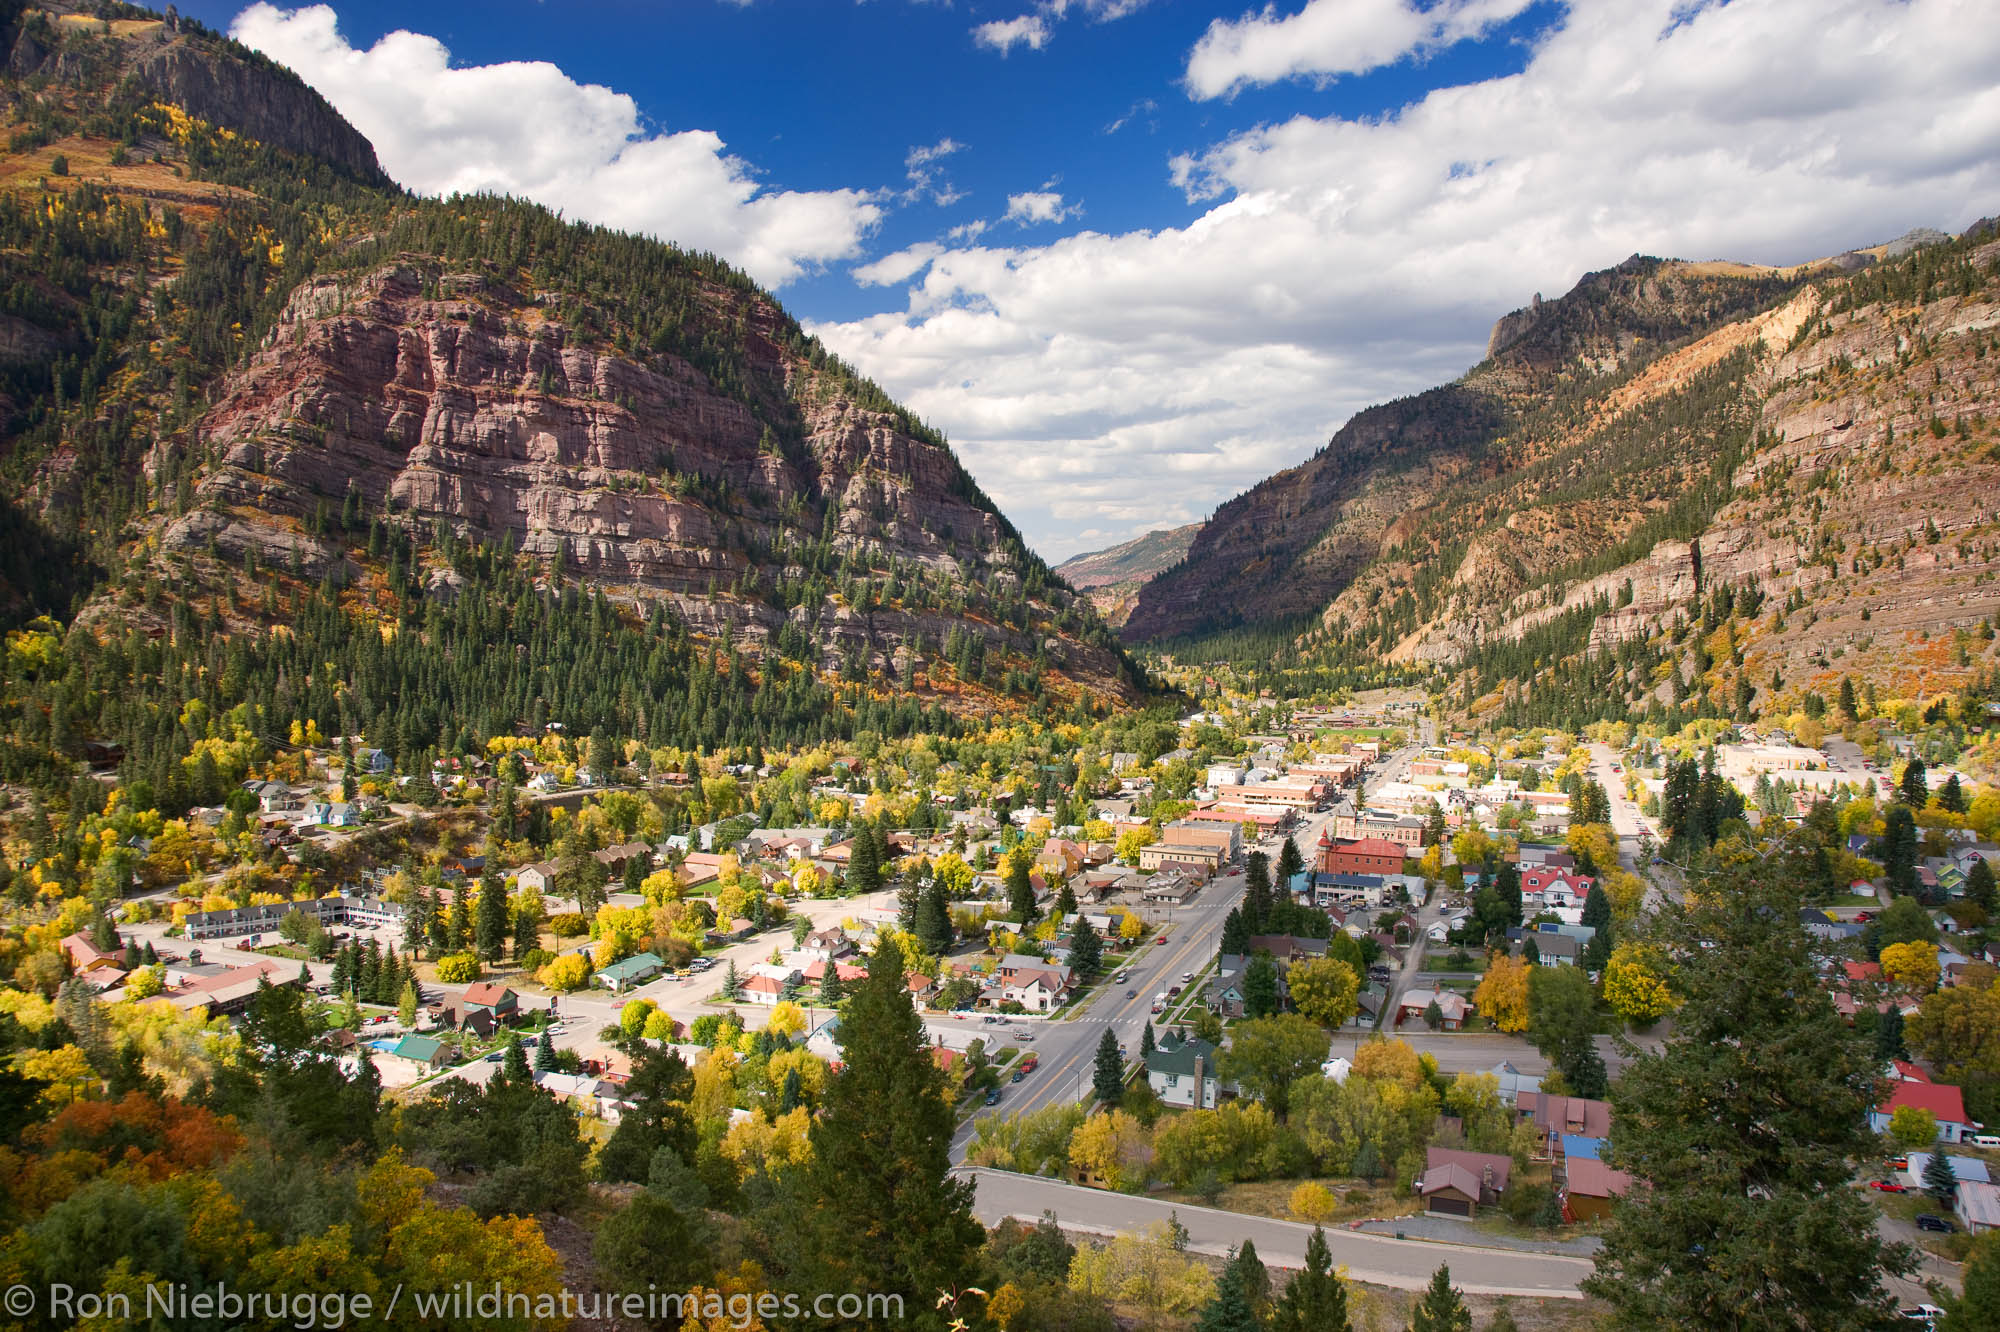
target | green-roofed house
x=426, y=1052
x=632, y=972
x=1182, y=1071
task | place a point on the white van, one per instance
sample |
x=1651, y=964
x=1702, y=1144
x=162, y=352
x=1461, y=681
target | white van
x=1985, y=1140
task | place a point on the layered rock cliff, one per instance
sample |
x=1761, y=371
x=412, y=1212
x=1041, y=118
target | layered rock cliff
x=310, y=386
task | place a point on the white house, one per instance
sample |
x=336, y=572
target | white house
x=1182, y=1071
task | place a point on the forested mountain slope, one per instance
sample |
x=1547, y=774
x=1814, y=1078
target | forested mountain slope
x=1819, y=439
x=262, y=410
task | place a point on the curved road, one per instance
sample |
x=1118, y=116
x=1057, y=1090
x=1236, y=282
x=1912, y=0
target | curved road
x=1381, y=1260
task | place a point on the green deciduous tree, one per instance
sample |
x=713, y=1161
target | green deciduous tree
x=1267, y=1055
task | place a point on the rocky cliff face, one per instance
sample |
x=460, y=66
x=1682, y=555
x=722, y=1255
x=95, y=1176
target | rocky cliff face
x=456, y=400
x=1112, y=578
x=352, y=396
x=181, y=63
x=1822, y=437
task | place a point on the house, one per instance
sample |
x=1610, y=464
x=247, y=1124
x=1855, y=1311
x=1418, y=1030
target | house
x=427, y=1052
x=827, y=945
x=1551, y=886
x=1554, y=950
x=765, y=990
x=1035, y=985
x=371, y=761
x=1589, y=1186
x=1978, y=1206
x=490, y=997
x=1560, y=1117
x=613, y=858
x=1182, y=1071
x=815, y=972
x=1964, y=1169
x=1225, y=992
x=539, y=877
x=1286, y=949
x=1457, y=1183
x=634, y=971
x=1942, y=1100
x=1455, y=1007
x=85, y=958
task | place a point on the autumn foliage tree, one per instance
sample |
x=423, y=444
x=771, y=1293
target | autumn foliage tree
x=1502, y=996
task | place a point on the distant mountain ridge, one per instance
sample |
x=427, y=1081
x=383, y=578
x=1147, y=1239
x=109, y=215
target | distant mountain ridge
x=1823, y=433
x=1112, y=577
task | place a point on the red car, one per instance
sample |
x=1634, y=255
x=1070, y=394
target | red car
x=1162, y=939
x=1888, y=1186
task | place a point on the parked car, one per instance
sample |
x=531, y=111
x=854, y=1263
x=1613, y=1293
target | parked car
x=1029, y=1064
x=1927, y=1314
x=1888, y=1186
x=1898, y=1163
x=1186, y=977
x=1925, y=1221
x=1021, y=1035
x=1017, y=1076
x=496, y=1056
x=1162, y=939
x=992, y=1096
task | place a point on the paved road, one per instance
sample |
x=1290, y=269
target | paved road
x=1635, y=834
x=1381, y=1260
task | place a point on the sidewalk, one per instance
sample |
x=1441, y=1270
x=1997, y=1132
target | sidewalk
x=1447, y=1230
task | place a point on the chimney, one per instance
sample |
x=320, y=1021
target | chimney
x=1486, y=1182
x=1200, y=1074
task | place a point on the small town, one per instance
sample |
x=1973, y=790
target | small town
x=1017, y=667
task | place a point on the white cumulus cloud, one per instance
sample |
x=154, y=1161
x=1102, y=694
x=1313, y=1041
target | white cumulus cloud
x=1111, y=383
x=526, y=128
x=1003, y=35
x=1332, y=37
x=1038, y=206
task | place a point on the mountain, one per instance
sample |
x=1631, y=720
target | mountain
x=1113, y=577
x=1819, y=437
x=249, y=385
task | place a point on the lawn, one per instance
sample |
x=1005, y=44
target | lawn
x=1354, y=1199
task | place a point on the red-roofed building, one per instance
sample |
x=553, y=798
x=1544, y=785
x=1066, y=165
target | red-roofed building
x=1862, y=971
x=1908, y=1072
x=1941, y=1099
x=763, y=989
x=1553, y=886
x=1366, y=855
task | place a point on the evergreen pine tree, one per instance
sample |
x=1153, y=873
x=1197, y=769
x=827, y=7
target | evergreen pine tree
x=1086, y=951
x=417, y=922
x=1231, y=1309
x=1914, y=788
x=527, y=934
x=789, y=1095
x=1848, y=707
x=491, y=929
x=1315, y=1301
x=1260, y=986
x=831, y=991
x=1257, y=891
x=1951, y=797
x=1761, y=1084
x=1597, y=909
x=732, y=982
x=515, y=1065
x=1939, y=1180
x=1290, y=863
x=934, y=920
x=1146, y=1042
x=1109, y=1083
x=1021, y=890
x=1441, y=1308
x=545, y=1053
x=1065, y=902
x=1235, y=934
x=1979, y=885
x=886, y=1214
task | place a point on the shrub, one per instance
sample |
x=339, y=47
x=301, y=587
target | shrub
x=458, y=968
x=1311, y=1201
x=569, y=925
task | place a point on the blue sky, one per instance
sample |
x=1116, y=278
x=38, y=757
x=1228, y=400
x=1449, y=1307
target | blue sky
x=1134, y=256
